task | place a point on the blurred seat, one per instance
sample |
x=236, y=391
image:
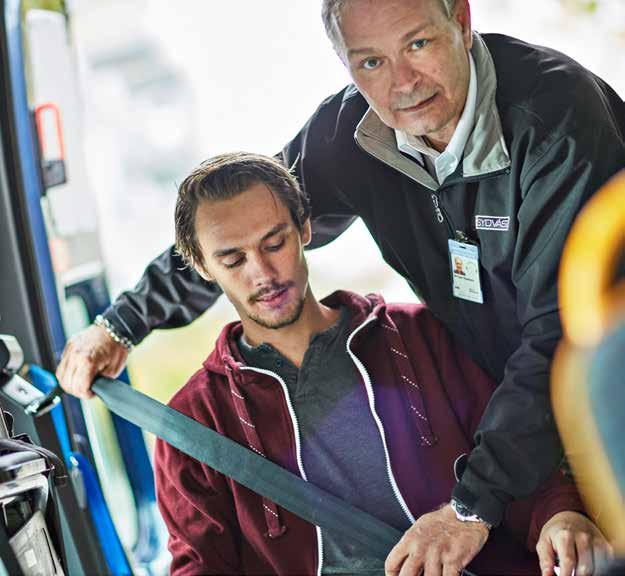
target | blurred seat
x=588, y=380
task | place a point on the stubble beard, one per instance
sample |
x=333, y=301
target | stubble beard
x=282, y=322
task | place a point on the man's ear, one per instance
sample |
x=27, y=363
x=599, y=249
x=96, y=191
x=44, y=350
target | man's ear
x=306, y=233
x=462, y=15
x=199, y=268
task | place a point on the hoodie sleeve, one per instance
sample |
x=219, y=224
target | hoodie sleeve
x=198, y=510
x=526, y=518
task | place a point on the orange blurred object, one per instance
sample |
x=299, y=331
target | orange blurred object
x=592, y=305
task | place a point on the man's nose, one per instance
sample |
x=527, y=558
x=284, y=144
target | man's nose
x=405, y=76
x=261, y=269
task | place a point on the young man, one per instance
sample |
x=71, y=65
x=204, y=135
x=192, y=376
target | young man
x=371, y=402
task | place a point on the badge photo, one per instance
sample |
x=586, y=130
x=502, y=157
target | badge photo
x=465, y=271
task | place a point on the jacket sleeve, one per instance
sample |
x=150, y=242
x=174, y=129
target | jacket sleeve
x=198, y=510
x=469, y=390
x=171, y=294
x=330, y=215
x=517, y=444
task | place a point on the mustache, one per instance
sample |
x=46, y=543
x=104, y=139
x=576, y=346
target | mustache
x=273, y=287
x=411, y=100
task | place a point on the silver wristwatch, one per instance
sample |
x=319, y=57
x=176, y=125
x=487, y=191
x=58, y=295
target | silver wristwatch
x=464, y=514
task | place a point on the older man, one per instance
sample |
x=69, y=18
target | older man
x=450, y=143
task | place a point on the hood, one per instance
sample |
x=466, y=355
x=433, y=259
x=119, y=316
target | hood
x=226, y=358
x=226, y=352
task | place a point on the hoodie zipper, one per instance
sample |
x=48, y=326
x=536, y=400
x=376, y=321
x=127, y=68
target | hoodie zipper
x=371, y=397
x=298, y=449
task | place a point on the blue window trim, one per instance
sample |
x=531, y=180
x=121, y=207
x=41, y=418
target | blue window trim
x=30, y=173
x=77, y=464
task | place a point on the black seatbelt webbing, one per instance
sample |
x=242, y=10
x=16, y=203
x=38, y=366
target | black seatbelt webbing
x=248, y=468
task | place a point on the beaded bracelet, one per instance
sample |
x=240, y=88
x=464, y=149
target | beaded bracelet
x=110, y=330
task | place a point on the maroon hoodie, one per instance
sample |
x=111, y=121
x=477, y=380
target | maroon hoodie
x=428, y=396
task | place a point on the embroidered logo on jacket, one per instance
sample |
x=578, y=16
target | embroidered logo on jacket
x=498, y=223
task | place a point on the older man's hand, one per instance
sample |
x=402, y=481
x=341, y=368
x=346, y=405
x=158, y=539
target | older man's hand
x=86, y=355
x=576, y=541
x=437, y=544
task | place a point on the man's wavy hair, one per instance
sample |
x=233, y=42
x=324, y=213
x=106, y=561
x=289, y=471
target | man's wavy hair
x=331, y=15
x=224, y=177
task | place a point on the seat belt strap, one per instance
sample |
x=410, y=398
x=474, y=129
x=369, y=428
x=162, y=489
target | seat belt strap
x=248, y=468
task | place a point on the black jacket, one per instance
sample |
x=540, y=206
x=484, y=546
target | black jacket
x=547, y=135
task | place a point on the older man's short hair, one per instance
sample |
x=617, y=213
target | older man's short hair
x=331, y=14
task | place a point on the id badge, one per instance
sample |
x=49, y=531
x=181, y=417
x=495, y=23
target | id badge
x=465, y=271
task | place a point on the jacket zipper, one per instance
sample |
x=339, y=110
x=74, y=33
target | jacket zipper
x=371, y=397
x=458, y=236
x=442, y=216
x=298, y=449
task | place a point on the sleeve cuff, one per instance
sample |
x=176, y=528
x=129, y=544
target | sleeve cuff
x=486, y=506
x=126, y=323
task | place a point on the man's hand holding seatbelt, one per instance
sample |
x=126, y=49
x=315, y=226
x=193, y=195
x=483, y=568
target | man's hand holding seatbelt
x=437, y=544
x=90, y=353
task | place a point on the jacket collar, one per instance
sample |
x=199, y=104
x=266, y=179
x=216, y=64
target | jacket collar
x=485, y=151
x=226, y=352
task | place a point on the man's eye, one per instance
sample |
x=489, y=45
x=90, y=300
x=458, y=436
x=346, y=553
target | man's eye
x=371, y=63
x=418, y=44
x=234, y=263
x=275, y=247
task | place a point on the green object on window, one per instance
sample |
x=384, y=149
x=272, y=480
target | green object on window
x=54, y=5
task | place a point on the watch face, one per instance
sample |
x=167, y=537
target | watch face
x=465, y=514
x=461, y=509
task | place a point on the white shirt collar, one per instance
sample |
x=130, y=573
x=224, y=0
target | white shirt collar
x=445, y=163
